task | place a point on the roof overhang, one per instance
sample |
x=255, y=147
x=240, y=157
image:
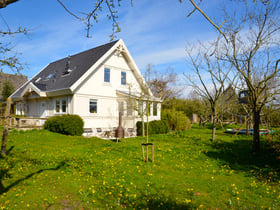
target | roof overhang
x=30, y=88
x=138, y=96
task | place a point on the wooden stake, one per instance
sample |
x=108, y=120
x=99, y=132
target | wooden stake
x=147, y=151
x=147, y=154
x=143, y=152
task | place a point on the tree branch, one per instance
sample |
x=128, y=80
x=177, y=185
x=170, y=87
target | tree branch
x=4, y=3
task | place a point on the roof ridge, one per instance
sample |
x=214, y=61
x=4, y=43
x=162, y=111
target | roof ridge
x=76, y=54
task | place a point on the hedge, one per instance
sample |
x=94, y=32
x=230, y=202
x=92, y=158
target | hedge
x=65, y=124
x=155, y=127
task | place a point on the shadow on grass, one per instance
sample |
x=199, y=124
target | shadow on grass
x=4, y=173
x=239, y=156
x=152, y=202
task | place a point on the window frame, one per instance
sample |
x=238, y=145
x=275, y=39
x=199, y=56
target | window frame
x=107, y=75
x=155, y=110
x=123, y=78
x=60, y=106
x=95, y=105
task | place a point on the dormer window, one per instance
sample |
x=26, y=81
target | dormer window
x=106, y=75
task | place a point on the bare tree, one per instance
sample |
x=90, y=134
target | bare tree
x=165, y=85
x=251, y=49
x=251, y=44
x=212, y=86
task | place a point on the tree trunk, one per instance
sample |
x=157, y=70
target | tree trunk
x=6, y=125
x=214, y=124
x=256, y=139
x=247, y=119
x=4, y=142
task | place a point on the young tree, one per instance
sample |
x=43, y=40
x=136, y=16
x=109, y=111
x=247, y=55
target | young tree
x=211, y=87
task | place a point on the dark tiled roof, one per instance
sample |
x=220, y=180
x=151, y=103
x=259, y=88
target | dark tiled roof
x=55, y=77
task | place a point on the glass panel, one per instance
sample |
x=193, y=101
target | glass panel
x=129, y=109
x=57, y=106
x=140, y=108
x=155, y=109
x=93, y=106
x=123, y=78
x=106, y=75
x=63, y=106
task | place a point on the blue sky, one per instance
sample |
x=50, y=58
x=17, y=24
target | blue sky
x=155, y=32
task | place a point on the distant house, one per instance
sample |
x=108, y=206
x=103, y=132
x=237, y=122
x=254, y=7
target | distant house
x=95, y=84
x=16, y=80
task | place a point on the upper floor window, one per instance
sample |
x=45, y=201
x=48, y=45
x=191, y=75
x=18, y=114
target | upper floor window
x=123, y=78
x=106, y=75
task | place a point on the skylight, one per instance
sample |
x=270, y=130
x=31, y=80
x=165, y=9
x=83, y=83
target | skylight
x=50, y=76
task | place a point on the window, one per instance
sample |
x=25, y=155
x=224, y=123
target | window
x=155, y=109
x=63, y=105
x=129, y=109
x=123, y=78
x=57, y=105
x=60, y=105
x=106, y=75
x=93, y=106
x=140, y=108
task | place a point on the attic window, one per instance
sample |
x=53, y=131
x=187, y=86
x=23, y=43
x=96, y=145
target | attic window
x=49, y=76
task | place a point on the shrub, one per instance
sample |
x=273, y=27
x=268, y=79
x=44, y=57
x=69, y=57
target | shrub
x=155, y=127
x=65, y=124
x=176, y=120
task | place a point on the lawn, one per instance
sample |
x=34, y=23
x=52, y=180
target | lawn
x=45, y=170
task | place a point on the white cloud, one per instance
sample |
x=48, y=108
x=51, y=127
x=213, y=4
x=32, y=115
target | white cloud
x=161, y=57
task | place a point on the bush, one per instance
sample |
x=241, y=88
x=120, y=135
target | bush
x=176, y=120
x=155, y=127
x=65, y=124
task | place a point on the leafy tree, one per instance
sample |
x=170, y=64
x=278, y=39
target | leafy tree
x=176, y=120
x=7, y=89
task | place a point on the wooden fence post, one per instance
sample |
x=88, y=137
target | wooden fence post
x=147, y=150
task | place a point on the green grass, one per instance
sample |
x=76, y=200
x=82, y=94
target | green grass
x=45, y=170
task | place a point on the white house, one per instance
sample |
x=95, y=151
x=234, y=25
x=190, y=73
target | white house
x=95, y=84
